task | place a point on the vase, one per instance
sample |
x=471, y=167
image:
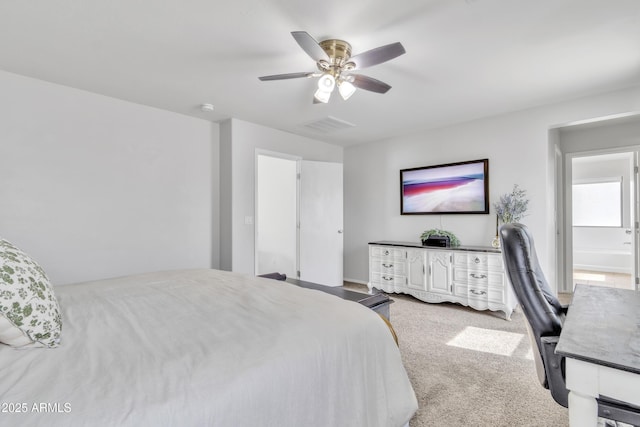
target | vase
x=496, y=240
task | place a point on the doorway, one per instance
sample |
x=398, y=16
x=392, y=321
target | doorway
x=276, y=216
x=298, y=218
x=604, y=152
x=602, y=193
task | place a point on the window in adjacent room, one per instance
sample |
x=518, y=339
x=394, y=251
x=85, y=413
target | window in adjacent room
x=597, y=202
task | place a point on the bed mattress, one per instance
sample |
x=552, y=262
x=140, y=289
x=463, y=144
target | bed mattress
x=207, y=348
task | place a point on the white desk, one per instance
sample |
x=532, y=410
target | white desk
x=600, y=341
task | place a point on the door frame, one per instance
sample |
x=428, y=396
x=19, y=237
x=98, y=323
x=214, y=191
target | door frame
x=564, y=210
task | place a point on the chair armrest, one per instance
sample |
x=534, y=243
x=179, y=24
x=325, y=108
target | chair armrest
x=554, y=369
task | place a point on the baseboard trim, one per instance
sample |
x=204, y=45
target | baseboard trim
x=359, y=282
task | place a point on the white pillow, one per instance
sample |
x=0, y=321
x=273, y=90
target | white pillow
x=29, y=311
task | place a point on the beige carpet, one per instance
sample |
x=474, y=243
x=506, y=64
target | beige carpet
x=470, y=368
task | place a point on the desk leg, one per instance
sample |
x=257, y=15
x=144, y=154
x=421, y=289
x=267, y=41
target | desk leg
x=583, y=410
x=583, y=383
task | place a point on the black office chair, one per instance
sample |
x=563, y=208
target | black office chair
x=544, y=318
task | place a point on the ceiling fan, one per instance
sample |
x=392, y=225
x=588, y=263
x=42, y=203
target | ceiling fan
x=335, y=64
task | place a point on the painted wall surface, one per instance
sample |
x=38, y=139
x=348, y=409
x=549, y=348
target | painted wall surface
x=95, y=187
x=622, y=132
x=226, y=190
x=239, y=142
x=518, y=149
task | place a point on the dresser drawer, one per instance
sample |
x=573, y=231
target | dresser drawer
x=389, y=266
x=486, y=261
x=495, y=295
x=460, y=259
x=460, y=290
x=480, y=261
x=486, y=293
x=387, y=279
x=387, y=252
x=461, y=275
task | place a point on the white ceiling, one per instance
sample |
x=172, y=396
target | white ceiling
x=465, y=59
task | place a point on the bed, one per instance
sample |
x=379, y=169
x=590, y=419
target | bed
x=206, y=348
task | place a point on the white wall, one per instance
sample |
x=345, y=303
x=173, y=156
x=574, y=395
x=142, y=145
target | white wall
x=518, y=149
x=239, y=141
x=614, y=133
x=94, y=187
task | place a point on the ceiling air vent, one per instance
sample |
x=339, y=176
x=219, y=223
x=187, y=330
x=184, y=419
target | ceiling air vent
x=329, y=124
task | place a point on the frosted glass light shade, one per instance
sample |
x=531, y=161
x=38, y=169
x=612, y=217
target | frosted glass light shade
x=326, y=84
x=322, y=96
x=346, y=89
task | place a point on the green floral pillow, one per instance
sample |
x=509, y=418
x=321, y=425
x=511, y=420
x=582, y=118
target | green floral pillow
x=29, y=311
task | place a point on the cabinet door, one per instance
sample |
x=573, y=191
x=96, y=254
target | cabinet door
x=439, y=263
x=416, y=269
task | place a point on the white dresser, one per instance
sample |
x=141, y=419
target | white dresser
x=468, y=275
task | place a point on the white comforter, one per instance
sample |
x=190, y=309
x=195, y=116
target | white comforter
x=207, y=348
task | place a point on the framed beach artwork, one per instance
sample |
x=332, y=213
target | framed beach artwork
x=453, y=188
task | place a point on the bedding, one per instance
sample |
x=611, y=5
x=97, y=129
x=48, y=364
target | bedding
x=29, y=311
x=207, y=348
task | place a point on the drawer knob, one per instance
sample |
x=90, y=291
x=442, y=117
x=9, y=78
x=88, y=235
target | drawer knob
x=475, y=292
x=385, y=265
x=478, y=276
x=387, y=278
x=386, y=252
x=477, y=260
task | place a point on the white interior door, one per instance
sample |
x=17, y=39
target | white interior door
x=321, y=251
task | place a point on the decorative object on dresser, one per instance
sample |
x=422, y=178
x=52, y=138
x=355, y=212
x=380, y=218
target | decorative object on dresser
x=511, y=207
x=469, y=275
x=441, y=238
x=495, y=243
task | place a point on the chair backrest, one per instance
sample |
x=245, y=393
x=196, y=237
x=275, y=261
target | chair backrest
x=541, y=308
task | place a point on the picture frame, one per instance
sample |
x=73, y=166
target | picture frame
x=451, y=188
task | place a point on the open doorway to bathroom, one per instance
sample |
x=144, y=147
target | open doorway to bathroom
x=603, y=201
x=596, y=235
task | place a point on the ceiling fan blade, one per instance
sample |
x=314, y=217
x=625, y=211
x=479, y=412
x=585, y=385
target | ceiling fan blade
x=378, y=55
x=369, y=83
x=310, y=46
x=286, y=76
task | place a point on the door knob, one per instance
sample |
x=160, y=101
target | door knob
x=339, y=231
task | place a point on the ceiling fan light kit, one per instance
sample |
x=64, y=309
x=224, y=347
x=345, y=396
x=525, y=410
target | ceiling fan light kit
x=346, y=89
x=335, y=64
x=326, y=84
